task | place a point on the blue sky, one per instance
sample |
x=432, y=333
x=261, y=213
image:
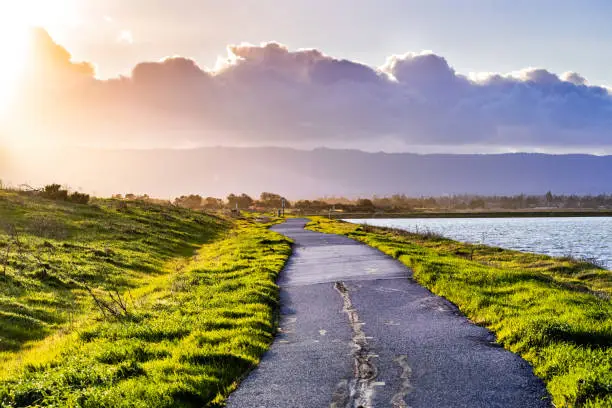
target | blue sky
x=544, y=83
x=474, y=35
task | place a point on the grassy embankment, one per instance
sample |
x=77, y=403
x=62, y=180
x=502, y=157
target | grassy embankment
x=170, y=329
x=556, y=313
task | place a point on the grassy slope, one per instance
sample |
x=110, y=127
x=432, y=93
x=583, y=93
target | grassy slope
x=110, y=245
x=193, y=327
x=556, y=313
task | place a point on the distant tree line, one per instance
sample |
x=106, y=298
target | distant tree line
x=522, y=201
x=266, y=201
x=404, y=203
x=395, y=203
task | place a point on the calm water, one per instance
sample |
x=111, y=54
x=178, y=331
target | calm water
x=579, y=237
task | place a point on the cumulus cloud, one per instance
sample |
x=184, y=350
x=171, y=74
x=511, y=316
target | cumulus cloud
x=574, y=78
x=50, y=62
x=267, y=94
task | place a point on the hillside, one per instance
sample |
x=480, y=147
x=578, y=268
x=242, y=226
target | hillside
x=309, y=174
x=105, y=305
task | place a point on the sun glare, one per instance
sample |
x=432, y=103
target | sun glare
x=16, y=18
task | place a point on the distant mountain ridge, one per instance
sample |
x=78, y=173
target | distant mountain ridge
x=216, y=171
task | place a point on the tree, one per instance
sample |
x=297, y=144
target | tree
x=364, y=204
x=245, y=201
x=212, y=203
x=549, y=197
x=79, y=198
x=272, y=200
x=242, y=202
x=315, y=205
x=55, y=192
x=193, y=201
x=303, y=204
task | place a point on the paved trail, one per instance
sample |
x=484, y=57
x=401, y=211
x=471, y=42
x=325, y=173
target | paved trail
x=356, y=331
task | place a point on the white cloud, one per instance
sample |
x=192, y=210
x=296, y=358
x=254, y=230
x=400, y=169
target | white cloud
x=264, y=94
x=574, y=77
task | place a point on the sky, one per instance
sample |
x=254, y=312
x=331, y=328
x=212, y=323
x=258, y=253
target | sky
x=476, y=35
x=394, y=75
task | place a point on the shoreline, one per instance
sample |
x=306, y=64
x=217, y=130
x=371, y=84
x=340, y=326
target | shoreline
x=479, y=214
x=553, y=312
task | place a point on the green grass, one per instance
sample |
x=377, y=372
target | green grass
x=108, y=245
x=200, y=298
x=556, y=313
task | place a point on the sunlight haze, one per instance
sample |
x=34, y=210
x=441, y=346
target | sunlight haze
x=470, y=77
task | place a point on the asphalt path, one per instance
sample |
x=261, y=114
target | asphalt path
x=357, y=331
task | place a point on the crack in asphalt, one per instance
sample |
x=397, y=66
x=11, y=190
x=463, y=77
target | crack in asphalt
x=358, y=392
x=341, y=396
x=398, y=400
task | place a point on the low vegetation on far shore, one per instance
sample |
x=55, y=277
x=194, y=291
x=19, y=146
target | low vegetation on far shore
x=555, y=312
x=130, y=304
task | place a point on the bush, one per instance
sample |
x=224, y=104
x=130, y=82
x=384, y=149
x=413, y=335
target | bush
x=57, y=193
x=79, y=198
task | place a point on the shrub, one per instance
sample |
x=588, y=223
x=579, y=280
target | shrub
x=57, y=193
x=79, y=198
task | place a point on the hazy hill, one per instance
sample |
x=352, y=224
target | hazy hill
x=303, y=174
